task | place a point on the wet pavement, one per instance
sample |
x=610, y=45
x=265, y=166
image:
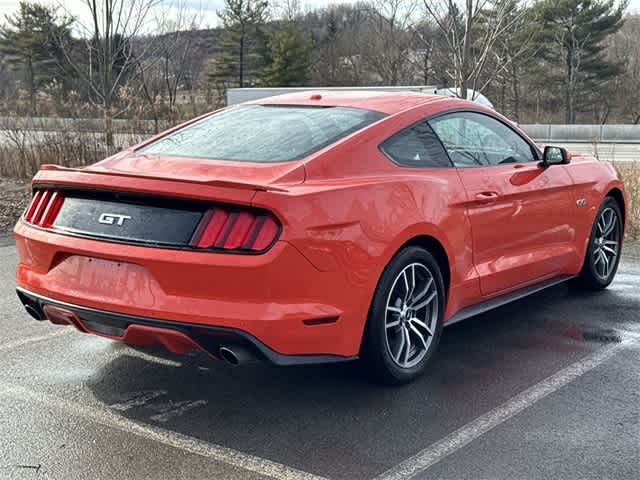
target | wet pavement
x=548, y=387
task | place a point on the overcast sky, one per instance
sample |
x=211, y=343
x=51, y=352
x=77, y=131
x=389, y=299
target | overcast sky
x=204, y=9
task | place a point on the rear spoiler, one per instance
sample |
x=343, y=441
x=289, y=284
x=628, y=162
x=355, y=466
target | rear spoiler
x=212, y=183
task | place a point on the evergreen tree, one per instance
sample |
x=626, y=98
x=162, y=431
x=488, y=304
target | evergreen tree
x=30, y=42
x=572, y=43
x=329, y=51
x=289, y=58
x=243, y=21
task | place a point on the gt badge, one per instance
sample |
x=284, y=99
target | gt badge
x=113, y=218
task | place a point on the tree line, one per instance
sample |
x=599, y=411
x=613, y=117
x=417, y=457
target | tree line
x=562, y=61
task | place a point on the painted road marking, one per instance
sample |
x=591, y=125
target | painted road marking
x=166, y=437
x=29, y=340
x=453, y=442
x=137, y=399
x=173, y=409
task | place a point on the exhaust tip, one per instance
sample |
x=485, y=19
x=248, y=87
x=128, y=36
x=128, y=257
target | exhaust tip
x=229, y=356
x=33, y=311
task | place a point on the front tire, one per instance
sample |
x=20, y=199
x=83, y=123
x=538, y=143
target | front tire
x=405, y=319
x=605, y=245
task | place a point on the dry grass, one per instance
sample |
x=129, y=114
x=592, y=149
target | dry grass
x=22, y=151
x=630, y=172
x=14, y=196
x=22, y=156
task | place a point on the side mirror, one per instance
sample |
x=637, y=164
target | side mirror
x=554, y=156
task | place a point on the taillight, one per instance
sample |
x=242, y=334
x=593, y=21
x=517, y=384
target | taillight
x=44, y=208
x=243, y=230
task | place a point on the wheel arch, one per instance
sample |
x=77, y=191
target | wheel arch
x=427, y=242
x=618, y=196
x=433, y=246
x=436, y=248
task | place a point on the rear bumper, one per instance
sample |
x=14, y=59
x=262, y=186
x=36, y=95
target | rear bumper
x=178, y=337
x=277, y=300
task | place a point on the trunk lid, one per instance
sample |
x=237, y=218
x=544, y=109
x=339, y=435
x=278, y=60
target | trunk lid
x=254, y=175
x=160, y=201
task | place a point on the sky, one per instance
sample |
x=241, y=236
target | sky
x=204, y=10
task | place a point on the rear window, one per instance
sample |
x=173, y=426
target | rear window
x=263, y=133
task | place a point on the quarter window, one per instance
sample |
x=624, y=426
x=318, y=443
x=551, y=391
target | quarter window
x=473, y=139
x=416, y=146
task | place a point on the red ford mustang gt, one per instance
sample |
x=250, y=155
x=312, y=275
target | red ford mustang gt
x=316, y=227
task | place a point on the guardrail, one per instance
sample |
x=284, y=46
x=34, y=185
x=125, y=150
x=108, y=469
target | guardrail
x=543, y=133
x=583, y=133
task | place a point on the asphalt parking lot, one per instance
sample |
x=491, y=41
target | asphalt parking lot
x=548, y=387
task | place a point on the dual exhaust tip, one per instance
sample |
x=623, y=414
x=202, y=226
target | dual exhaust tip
x=235, y=356
x=34, y=312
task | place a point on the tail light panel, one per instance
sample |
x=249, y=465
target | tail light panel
x=236, y=230
x=220, y=228
x=44, y=207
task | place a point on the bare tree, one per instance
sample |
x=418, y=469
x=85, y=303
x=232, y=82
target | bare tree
x=108, y=42
x=471, y=29
x=175, y=62
x=289, y=10
x=624, y=49
x=176, y=52
x=337, y=59
x=387, y=47
x=151, y=87
x=512, y=52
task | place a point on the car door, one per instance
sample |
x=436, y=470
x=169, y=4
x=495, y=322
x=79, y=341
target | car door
x=520, y=212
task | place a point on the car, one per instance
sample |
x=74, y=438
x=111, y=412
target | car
x=316, y=227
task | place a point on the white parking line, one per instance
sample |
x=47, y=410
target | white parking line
x=40, y=338
x=176, y=440
x=453, y=442
x=172, y=409
x=137, y=399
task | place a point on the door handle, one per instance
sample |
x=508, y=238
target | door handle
x=486, y=197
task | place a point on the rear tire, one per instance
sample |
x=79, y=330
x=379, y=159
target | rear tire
x=605, y=245
x=405, y=318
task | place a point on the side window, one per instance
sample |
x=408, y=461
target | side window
x=473, y=139
x=416, y=146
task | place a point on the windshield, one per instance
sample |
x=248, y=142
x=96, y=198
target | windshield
x=263, y=133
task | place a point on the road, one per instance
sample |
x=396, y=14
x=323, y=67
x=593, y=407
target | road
x=547, y=387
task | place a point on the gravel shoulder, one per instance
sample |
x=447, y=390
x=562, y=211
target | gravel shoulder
x=14, y=196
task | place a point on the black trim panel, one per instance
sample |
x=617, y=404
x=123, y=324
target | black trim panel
x=499, y=301
x=208, y=337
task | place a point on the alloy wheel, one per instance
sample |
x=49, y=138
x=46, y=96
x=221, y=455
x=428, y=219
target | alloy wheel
x=606, y=243
x=411, y=315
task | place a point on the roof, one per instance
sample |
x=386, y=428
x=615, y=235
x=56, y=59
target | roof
x=385, y=102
